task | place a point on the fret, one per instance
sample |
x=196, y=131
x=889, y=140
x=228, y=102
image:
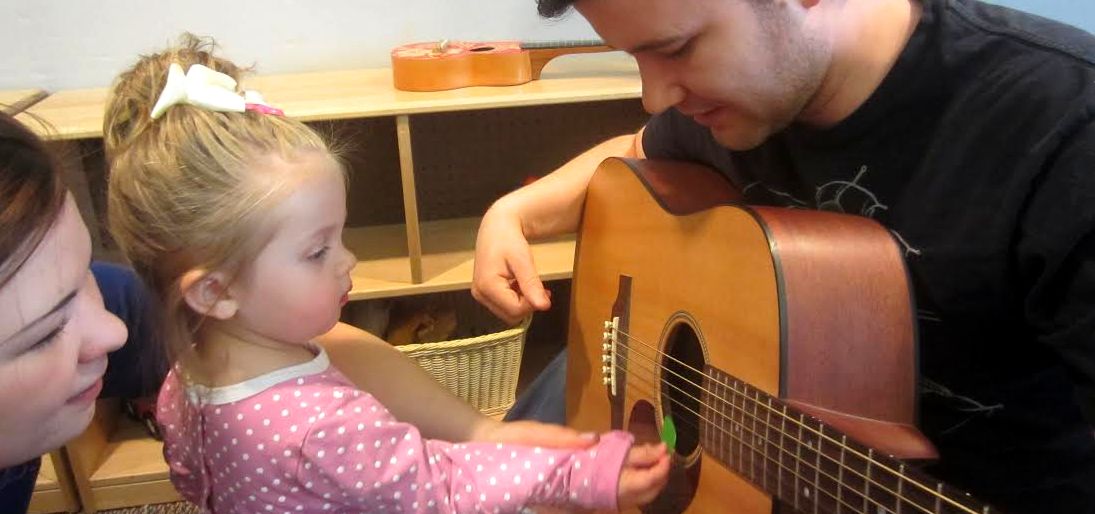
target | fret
x=780, y=451
x=737, y=433
x=840, y=474
x=767, y=441
x=707, y=411
x=852, y=479
x=723, y=451
x=881, y=491
x=798, y=462
x=827, y=465
x=898, y=502
x=867, y=481
x=817, y=468
x=754, y=436
x=938, y=498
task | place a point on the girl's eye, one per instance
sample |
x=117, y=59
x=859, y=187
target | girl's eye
x=680, y=51
x=319, y=254
x=48, y=338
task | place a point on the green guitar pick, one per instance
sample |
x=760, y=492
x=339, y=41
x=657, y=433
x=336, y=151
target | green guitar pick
x=669, y=434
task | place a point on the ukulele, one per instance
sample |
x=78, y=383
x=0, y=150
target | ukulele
x=447, y=64
x=775, y=348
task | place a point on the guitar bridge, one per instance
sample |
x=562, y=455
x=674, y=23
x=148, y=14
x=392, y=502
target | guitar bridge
x=609, y=339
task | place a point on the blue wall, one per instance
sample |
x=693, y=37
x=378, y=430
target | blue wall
x=1080, y=13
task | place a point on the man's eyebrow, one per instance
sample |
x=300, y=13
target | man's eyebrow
x=653, y=45
x=60, y=305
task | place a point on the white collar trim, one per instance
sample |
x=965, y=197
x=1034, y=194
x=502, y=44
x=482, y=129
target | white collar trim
x=202, y=395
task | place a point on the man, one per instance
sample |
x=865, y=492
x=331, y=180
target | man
x=966, y=129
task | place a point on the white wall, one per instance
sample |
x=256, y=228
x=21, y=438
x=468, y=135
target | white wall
x=64, y=44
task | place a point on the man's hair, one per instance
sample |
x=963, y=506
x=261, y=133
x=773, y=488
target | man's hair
x=553, y=8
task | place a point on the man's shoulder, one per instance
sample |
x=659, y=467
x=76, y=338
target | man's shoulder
x=1015, y=34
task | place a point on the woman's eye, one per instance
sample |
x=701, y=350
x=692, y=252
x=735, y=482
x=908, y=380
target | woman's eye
x=49, y=338
x=319, y=254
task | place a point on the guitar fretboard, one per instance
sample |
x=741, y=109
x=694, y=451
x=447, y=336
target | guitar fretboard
x=571, y=43
x=808, y=465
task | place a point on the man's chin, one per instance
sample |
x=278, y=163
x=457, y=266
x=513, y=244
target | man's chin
x=738, y=139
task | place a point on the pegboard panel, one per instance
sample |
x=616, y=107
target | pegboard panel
x=466, y=160
x=374, y=195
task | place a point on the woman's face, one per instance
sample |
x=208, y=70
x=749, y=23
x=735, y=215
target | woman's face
x=54, y=338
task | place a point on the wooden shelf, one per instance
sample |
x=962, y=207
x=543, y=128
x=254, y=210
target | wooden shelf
x=334, y=95
x=16, y=101
x=51, y=493
x=132, y=471
x=131, y=456
x=448, y=251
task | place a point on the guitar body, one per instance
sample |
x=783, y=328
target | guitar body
x=747, y=326
x=437, y=66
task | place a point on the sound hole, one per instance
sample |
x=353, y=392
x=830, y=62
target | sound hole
x=680, y=387
x=482, y=49
x=679, y=392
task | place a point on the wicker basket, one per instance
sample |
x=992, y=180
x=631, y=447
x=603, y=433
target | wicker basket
x=482, y=370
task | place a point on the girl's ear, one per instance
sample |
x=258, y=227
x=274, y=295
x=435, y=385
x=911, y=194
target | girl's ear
x=207, y=293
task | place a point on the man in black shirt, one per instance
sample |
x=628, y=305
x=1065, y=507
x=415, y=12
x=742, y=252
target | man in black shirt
x=966, y=129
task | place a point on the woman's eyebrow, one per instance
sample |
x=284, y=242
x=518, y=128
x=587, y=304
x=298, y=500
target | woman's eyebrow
x=60, y=305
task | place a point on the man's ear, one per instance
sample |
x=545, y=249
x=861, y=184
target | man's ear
x=207, y=293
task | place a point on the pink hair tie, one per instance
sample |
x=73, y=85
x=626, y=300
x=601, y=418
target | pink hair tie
x=264, y=109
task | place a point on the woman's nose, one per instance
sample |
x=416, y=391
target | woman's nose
x=101, y=331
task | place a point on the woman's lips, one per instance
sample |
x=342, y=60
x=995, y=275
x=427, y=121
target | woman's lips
x=87, y=395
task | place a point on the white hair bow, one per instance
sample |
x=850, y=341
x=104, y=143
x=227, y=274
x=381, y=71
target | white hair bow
x=203, y=87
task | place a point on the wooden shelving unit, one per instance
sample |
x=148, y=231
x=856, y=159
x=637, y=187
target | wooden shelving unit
x=16, y=101
x=427, y=166
x=54, y=490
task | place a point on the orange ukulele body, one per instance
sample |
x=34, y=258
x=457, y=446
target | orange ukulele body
x=437, y=66
x=780, y=342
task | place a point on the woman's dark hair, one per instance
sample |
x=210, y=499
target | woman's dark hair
x=32, y=194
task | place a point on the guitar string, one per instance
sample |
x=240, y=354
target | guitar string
x=766, y=475
x=936, y=492
x=855, y=452
x=715, y=380
x=841, y=485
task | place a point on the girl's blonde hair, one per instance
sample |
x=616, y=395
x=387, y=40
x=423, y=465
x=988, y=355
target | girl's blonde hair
x=185, y=192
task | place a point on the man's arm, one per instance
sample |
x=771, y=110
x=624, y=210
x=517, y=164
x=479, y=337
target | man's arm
x=505, y=279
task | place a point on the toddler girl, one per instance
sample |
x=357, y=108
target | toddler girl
x=233, y=215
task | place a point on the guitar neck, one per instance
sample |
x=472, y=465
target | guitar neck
x=558, y=44
x=540, y=52
x=811, y=466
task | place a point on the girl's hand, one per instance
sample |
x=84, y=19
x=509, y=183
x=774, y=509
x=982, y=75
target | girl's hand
x=645, y=473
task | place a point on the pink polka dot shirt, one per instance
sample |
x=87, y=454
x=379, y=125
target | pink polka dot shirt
x=304, y=439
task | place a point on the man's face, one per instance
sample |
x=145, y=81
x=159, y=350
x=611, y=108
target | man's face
x=742, y=68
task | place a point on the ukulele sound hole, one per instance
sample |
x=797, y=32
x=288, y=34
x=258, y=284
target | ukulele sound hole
x=682, y=378
x=482, y=49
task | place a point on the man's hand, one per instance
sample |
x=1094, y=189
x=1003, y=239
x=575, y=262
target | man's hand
x=504, y=278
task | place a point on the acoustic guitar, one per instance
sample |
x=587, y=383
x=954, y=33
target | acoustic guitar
x=436, y=66
x=779, y=345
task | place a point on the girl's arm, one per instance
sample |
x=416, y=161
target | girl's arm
x=409, y=393
x=357, y=455
x=414, y=397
